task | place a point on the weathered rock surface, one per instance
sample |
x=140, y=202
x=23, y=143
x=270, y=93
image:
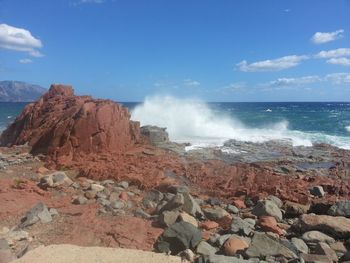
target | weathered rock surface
x=315, y=236
x=341, y=208
x=178, y=237
x=234, y=245
x=38, y=213
x=338, y=226
x=263, y=245
x=267, y=208
x=205, y=248
x=156, y=135
x=55, y=179
x=65, y=126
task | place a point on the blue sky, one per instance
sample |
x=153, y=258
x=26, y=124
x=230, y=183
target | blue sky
x=261, y=50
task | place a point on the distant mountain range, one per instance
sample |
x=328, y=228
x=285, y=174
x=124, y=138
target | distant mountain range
x=17, y=91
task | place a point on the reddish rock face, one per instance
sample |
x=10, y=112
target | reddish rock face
x=65, y=126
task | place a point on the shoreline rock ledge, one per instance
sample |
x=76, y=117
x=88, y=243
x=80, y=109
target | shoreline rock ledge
x=64, y=126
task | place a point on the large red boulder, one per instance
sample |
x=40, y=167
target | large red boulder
x=64, y=126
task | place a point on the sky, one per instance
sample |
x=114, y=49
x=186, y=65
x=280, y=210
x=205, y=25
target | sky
x=223, y=50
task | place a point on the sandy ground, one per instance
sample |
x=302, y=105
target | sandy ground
x=76, y=254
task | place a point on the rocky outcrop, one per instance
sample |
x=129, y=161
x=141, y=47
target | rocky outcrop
x=67, y=127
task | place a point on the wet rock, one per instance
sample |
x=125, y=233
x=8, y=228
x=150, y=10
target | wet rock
x=264, y=245
x=300, y=245
x=294, y=209
x=55, y=179
x=168, y=218
x=204, y=248
x=267, y=208
x=317, y=236
x=38, y=213
x=79, y=200
x=338, y=227
x=340, y=208
x=234, y=245
x=178, y=237
x=215, y=213
x=242, y=226
x=156, y=135
x=188, y=218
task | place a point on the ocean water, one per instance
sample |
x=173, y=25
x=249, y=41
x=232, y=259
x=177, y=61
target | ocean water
x=9, y=111
x=210, y=124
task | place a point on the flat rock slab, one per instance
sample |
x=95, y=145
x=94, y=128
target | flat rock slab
x=76, y=254
x=338, y=226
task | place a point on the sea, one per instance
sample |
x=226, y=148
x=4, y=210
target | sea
x=205, y=124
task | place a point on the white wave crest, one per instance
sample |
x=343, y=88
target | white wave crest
x=190, y=120
x=347, y=128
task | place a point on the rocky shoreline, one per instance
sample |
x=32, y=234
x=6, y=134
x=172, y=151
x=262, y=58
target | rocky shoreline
x=90, y=185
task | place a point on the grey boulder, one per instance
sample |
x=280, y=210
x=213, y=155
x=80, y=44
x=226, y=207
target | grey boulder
x=38, y=213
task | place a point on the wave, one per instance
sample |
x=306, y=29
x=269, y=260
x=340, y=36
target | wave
x=347, y=128
x=193, y=121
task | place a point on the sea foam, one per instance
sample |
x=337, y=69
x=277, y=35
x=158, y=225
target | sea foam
x=347, y=128
x=194, y=121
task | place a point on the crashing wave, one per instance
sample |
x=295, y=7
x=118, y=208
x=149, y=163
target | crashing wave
x=193, y=121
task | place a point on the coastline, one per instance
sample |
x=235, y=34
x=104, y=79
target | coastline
x=128, y=198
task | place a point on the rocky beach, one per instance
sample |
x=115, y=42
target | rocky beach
x=81, y=182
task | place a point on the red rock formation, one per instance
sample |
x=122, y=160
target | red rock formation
x=65, y=126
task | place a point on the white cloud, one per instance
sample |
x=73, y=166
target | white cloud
x=334, y=53
x=286, y=82
x=25, y=61
x=19, y=39
x=339, y=61
x=192, y=83
x=324, y=37
x=338, y=78
x=271, y=65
